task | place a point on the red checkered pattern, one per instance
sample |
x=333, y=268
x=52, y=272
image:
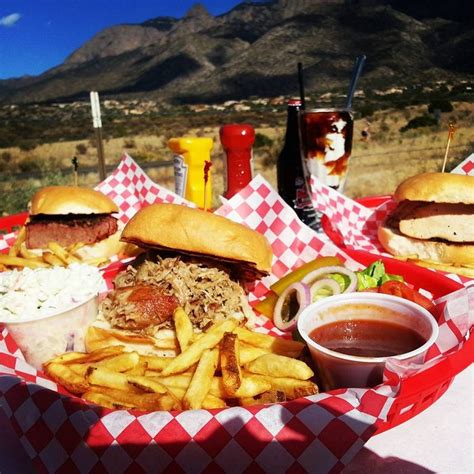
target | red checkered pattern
x=131, y=189
x=466, y=167
x=321, y=433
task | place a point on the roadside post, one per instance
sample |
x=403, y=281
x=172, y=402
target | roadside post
x=97, y=123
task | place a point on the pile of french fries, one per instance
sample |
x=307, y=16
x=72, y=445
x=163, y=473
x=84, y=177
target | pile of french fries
x=226, y=365
x=19, y=256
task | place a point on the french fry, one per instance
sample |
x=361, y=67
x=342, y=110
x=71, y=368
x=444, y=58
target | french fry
x=62, y=254
x=52, y=259
x=25, y=253
x=106, y=401
x=293, y=388
x=201, y=380
x=120, y=363
x=146, y=384
x=230, y=363
x=96, y=356
x=183, y=327
x=66, y=357
x=155, y=363
x=210, y=401
x=193, y=353
x=107, y=378
x=265, y=398
x=275, y=365
x=3, y=268
x=248, y=353
x=75, y=247
x=10, y=261
x=271, y=343
x=20, y=238
x=250, y=386
x=69, y=379
x=176, y=381
x=99, y=337
x=113, y=398
x=95, y=261
x=140, y=369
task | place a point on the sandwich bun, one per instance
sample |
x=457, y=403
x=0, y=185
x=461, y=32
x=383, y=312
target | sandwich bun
x=61, y=200
x=432, y=250
x=196, y=232
x=433, y=222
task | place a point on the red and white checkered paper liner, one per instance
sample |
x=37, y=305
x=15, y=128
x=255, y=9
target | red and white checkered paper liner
x=357, y=224
x=321, y=433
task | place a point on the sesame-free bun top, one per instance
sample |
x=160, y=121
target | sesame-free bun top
x=193, y=231
x=437, y=187
x=61, y=200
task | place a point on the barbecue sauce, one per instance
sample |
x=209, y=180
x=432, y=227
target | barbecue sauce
x=367, y=338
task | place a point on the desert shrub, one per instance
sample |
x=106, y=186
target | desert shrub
x=81, y=149
x=420, y=121
x=442, y=105
x=6, y=157
x=26, y=145
x=129, y=143
x=30, y=164
x=262, y=140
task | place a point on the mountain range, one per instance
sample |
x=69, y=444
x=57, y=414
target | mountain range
x=253, y=50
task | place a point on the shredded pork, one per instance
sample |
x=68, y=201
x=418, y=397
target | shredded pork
x=205, y=292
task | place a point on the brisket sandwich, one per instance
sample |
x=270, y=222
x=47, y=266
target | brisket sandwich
x=195, y=260
x=71, y=214
x=433, y=221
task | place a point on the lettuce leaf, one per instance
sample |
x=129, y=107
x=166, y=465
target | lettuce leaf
x=374, y=275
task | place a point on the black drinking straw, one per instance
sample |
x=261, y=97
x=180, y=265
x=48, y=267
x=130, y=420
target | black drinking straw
x=358, y=65
x=301, y=82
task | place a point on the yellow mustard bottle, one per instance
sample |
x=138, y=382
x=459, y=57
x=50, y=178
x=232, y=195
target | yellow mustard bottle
x=189, y=160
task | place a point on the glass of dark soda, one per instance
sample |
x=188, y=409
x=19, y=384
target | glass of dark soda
x=326, y=139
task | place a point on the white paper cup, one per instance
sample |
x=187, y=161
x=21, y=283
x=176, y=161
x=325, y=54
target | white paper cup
x=338, y=370
x=41, y=339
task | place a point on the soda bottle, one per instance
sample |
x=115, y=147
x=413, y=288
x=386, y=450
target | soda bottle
x=290, y=174
x=190, y=157
x=237, y=141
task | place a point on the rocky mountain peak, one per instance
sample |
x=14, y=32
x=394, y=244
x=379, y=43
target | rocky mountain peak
x=198, y=10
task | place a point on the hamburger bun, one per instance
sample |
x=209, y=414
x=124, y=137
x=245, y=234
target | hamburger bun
x=437, y=187
x=433, y=221
x=196, y=232
x=61, y=200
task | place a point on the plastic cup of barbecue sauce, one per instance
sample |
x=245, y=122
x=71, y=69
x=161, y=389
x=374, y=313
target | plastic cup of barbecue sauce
x=351, y=336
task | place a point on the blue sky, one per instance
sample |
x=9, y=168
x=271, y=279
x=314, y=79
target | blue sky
x=36, y=35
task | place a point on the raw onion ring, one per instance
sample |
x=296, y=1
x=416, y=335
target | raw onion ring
x=313, y=276
x=333, y=285
x=303, y=297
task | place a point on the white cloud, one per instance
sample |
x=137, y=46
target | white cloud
x=10, y=20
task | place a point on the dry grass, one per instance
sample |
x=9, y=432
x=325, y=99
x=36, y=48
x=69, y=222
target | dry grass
x=376, y=167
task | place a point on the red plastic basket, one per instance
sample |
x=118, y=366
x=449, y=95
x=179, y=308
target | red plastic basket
x=420, y=391
x=13, y=222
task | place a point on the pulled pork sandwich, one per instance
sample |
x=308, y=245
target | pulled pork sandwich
x=71, y=214
x=195, y=260
x=433, y=222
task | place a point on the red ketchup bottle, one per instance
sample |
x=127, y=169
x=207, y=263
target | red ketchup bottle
x=237, y=141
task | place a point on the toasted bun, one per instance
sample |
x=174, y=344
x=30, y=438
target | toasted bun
x=437, y=187
x=71, y=200
x=174, y=227
x=435, y=251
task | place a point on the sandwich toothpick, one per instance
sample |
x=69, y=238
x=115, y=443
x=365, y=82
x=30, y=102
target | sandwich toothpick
x=207, y=167
x=451, y=131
